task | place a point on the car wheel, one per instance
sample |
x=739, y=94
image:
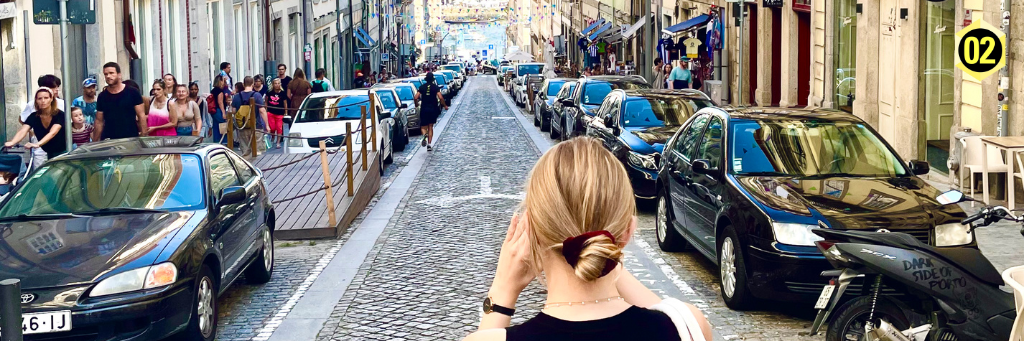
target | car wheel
x=545, y=122
x=669, y=239
x=733, y=271
x=380, y=166
x=262, y=267
x=202, y=326
x=849, y=324
x=551, y=131
x=391, y=152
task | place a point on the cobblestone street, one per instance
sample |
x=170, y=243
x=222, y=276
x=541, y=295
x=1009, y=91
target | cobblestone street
x=428, y=266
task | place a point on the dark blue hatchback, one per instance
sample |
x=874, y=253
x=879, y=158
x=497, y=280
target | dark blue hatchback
x=634, y=125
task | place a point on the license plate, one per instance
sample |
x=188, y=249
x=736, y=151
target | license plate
x=49, y=322
x=826, y=296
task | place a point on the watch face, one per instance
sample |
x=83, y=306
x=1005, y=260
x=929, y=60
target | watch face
x=487, y=305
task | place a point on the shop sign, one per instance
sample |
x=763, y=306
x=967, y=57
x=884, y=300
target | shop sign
x=8, y=10
x=771, y=3
x=967, y=17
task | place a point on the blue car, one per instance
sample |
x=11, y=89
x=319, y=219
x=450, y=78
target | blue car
x=581, y=106
x=545, y=102
x=634, y=125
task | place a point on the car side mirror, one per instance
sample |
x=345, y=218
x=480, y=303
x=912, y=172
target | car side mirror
x=952, y=197
x=405, y=106
x=609, y=122
x=383, y=114
x=567, y=102
x=231, y=195
x=918, y=167
x=703, y=167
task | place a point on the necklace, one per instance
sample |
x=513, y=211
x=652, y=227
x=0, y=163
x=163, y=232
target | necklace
x=598, y=301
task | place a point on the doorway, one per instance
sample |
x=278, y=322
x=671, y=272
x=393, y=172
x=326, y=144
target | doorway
x=777, y=56
x=937, y=49
x=803, y=83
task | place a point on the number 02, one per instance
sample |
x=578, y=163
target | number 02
x=973, y=58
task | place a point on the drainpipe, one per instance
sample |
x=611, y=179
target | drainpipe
x=1004, y=76
x=305, y=34
x=188, y=35
x=160, y=24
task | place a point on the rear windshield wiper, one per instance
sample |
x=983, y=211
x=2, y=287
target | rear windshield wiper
x=48, y=216
x=121, y=210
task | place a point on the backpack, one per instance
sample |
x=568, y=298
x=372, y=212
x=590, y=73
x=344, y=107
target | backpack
x=211, y=104
x=319, y=86
x=241, y=115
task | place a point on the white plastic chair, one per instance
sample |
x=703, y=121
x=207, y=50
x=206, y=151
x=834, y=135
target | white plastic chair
x=971, y=160
x=1014, y=277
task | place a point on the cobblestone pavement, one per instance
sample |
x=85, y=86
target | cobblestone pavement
x=244, y=309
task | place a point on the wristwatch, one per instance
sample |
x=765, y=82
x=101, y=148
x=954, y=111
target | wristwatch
x=494, y=308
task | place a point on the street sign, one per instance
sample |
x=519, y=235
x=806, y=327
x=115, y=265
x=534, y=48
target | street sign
x=490, y=47
x=80, y=12
x=979, y=49
x=308, y=55
x=308, y=48
x=771, y=3
x=423, y=41
x=484, y=52
x=385, y=57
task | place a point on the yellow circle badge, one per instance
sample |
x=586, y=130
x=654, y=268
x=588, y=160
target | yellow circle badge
x=980, y=49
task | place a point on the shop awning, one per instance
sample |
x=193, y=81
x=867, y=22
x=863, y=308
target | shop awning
x=596, y=24
x=689, y=24
x=364, y=38
x=629, y=32
x=597, y=32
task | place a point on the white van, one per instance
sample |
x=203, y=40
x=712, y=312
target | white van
x=311, y=125
x=519, y=88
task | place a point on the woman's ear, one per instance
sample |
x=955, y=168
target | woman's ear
x=629, y=232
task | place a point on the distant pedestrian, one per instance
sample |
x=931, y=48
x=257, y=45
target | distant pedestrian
x=321, y=84
x=220, y=126
x=47, y=123
x=190, y=121
x=659, y=74
x=204, y=111
x=170, y=82
x=282, y=74
x=163, y=114
x=259, y=86
x=242, y=98
x=81, y=132
x=680, y=76
x=277, y=101
x=119, y=110
x=225, y=71
x=430, y=99
x=298, y=90
x=87, y=101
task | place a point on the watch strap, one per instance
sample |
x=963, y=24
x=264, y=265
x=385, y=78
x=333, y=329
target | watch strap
x=502, y=310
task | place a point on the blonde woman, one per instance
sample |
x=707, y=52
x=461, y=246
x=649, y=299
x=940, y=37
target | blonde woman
x=190, y=121
x=577, y=218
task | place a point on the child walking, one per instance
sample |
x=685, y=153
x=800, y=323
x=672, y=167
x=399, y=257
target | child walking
x=80, y=131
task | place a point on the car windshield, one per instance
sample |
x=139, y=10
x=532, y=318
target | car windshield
x=595, y=92
x=387, y=99
x=810, y=148
x=161, y=181
x=340, y=108
x=660, y=112
x=533, y=69
x=405, y=93
x=554, y=87
x=440, y=78
x=455, y=68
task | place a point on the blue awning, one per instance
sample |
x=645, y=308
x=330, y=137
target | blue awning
x=364, y=37
x=596, y=24
x=686, y=25
x=599, y=30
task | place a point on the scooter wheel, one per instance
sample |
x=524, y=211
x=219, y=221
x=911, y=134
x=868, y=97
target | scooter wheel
x=849, y=323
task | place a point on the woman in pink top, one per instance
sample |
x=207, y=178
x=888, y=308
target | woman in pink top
x=163, y=121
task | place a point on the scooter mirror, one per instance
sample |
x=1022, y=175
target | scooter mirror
x=950, y=197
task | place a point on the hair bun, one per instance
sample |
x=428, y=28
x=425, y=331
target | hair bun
x=592, y=255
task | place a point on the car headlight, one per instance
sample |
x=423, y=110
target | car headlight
x=643, y=160
x=953, y=234
x=795, y=234
x=149, y=277
x=294, y=140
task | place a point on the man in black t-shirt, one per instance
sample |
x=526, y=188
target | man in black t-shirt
x=282, y=74
x=119, y=112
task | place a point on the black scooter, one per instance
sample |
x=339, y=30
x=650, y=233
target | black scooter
x=913, y=291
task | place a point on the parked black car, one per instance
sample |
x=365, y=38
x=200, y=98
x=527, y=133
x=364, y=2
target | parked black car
x=134, y=239
x=586, y=98
x=746, y=186
x=634, y=125
x=557, y=108
x=545, y=101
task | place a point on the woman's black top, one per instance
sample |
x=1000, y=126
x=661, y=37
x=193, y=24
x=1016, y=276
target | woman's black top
x=58, y=144
x=634, y=323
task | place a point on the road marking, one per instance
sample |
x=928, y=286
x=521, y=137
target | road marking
x=485, y=185
x=275, y=321
x=503, y=118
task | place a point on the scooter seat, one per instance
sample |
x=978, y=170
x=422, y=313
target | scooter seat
x=973, y=262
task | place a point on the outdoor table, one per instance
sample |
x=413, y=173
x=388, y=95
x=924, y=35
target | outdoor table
x=1008, y=147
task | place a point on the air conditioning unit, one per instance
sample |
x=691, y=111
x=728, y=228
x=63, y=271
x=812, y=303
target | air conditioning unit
x=714, y=90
